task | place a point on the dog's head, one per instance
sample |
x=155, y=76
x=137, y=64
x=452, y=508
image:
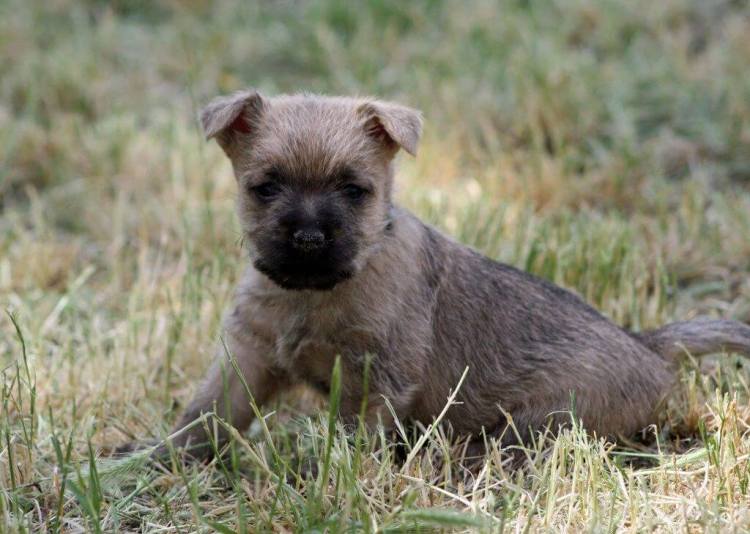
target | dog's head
x=315, y=178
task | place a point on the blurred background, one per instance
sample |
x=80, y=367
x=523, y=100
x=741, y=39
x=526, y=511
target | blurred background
x=601, y=144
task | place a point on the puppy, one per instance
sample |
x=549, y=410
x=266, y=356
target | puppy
x=337, y=269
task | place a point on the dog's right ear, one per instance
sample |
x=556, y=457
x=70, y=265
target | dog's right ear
x=230, y=118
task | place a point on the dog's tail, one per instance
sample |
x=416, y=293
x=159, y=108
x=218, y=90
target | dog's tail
x=698, y=337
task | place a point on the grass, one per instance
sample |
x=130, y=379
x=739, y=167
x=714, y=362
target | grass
x=603, y=145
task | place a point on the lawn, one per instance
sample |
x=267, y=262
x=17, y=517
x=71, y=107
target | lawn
x=601, y=144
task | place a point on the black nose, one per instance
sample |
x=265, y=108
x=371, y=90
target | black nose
x=308, y=239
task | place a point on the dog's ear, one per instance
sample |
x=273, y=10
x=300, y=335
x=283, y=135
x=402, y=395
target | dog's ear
x=228, y=118
x=393, y=125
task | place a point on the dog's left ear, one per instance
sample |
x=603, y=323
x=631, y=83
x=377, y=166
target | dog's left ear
x=230, y=118
x=393, y=125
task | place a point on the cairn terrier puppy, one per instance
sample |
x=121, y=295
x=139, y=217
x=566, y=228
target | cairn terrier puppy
x=337, y=269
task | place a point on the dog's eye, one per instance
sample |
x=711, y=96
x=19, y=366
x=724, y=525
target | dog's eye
x=354, y=192
x=266, y=191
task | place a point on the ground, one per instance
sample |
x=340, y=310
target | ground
x=604, y=145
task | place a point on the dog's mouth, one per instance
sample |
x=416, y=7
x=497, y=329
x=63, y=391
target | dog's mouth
x=291, y=268
x=300, y=279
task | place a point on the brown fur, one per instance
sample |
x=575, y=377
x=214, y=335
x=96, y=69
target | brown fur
x=424, y=306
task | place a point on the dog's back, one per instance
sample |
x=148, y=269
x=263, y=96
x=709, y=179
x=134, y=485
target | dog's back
x=538, y=351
